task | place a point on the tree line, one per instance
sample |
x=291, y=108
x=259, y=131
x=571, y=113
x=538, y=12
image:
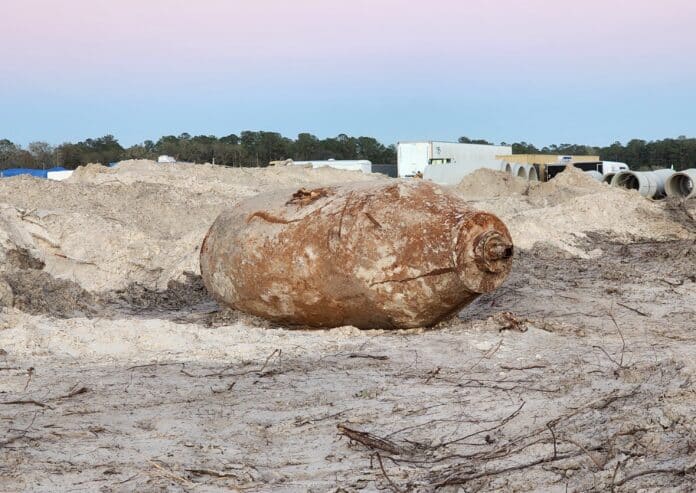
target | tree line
x=251, y=148
x=247, y=149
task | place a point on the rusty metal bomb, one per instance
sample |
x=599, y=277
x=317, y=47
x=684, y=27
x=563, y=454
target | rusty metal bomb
x=387, y=254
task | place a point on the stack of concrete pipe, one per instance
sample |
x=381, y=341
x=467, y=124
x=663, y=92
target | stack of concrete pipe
x=519, y=171
x=505, y=167
x=527, y=172
x=682, y=184
x=524, y=171
x=650, y=184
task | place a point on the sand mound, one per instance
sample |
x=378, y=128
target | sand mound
x=624, y=216
x=209, y=178
x=138, y=225
x=17, y=251
x=573, y=177
x=484, y=184
x=563, y=210
x=566, y=185
x=487, y=183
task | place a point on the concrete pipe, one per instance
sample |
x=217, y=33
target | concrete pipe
x=391, y=255
x=502, y=166
x=644, y=183
x=508, y=168
x=520, y=171
x=532, y=173
x=650, y=184
x=595, y=174
x=608, y=178
x=662, y=175
x=682, y=184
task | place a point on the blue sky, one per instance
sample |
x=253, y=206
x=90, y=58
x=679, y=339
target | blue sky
x=506, y=71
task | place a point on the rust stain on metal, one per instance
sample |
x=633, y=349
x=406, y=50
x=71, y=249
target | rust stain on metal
x=324, y=259
x=303, y=196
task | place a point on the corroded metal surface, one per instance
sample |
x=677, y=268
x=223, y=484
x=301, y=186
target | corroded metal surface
x=374, y=255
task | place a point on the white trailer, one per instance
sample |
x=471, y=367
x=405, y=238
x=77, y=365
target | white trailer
x=347, y=164
x=446, y=162
x=613, y=167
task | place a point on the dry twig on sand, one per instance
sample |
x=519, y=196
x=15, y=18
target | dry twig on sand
x=21, y=434
x=369, y=440
x=223, y=373
x=168, y=474
x=76, y=391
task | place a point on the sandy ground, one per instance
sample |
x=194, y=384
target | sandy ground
x=119, y=373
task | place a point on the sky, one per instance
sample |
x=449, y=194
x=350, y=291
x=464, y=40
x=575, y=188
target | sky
x=541, y=71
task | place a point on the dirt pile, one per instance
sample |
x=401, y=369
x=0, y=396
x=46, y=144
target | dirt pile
x=17, y=251
x=209, y=178
x=562, y=211
x=136, y=226
x=487, y=183
x=565, y=186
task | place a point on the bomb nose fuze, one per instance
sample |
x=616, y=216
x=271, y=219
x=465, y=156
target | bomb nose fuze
x=383, y=254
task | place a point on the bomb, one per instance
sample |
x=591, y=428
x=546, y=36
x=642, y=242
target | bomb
x=386, y=254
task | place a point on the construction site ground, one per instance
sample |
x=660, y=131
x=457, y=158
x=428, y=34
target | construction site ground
x=119, y=373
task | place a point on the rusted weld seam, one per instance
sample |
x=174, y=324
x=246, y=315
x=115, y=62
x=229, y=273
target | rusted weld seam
x=343, y=213
x=436, y=272
x=270, y=218
x=373, y=220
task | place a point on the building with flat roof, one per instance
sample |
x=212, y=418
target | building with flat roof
x=446, y=162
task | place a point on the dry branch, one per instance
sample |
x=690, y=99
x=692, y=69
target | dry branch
x=369, y=356
x=223, y=372
x=634, y=310
x=384, y=473
x=211, y=472
x=369, y=440
x=27, y=401
x=502, y=423
x=669, y=470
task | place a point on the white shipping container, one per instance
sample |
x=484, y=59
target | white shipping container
x=412, y=157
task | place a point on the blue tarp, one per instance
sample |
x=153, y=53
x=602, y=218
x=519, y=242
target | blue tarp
x=39, y=173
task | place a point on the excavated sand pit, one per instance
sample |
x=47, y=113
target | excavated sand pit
x=119, y=373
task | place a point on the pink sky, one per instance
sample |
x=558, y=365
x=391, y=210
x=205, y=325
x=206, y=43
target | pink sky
x=444, y=36
x=546, y=71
